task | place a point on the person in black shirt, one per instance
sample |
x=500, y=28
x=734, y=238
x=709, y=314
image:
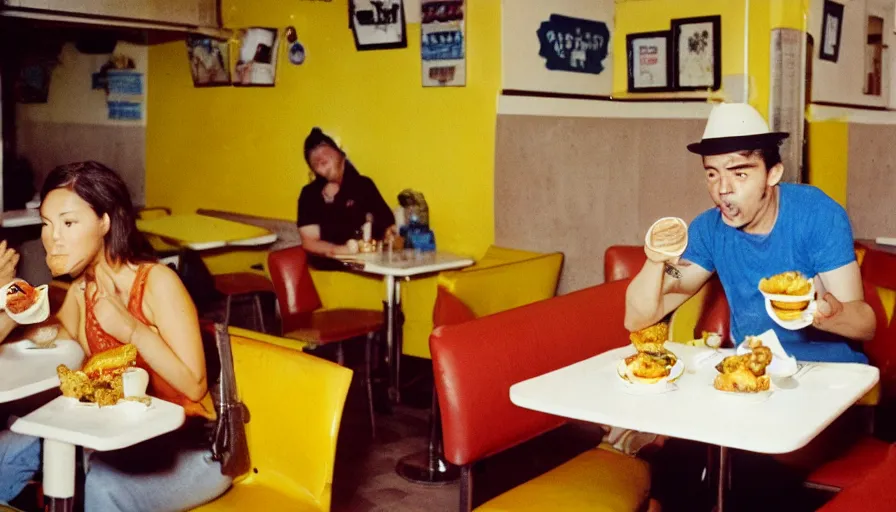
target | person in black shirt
x=333, y=207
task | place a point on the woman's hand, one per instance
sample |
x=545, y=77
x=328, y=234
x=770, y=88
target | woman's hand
x=110, y=311
x=9, y=258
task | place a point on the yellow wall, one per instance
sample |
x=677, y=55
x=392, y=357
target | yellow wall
x=634, y=16
x=240, y=148
x=828, y=157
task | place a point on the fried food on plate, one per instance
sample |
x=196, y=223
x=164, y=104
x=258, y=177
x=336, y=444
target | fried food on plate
x=100, y=381
x=786, y=283
x=745, y=373
x=651, y=339
x=653, y=362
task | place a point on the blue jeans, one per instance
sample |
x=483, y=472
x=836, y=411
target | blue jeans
x=19, y=461
x=161, y=474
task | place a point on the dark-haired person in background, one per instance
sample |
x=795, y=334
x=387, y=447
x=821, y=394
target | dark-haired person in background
x=333, y=208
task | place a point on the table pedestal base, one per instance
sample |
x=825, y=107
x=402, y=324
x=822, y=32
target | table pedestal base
x=426, y=468
x=59, y=475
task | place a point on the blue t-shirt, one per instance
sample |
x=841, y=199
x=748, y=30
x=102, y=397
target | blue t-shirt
x=811, y=234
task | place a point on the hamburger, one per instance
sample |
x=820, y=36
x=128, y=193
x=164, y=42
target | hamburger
x=669, y=235
x=792, y=284
x=653, y=362
x=100, y=380
x=20, y=296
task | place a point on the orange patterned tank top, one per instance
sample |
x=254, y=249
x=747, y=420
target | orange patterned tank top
x=99, y=340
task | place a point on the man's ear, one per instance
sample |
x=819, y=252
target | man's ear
x=105, y=223
x=775, y=174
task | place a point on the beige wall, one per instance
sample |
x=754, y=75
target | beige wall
x=580, y=176
x=872, y=180
x=73, y=125
x=843, y=81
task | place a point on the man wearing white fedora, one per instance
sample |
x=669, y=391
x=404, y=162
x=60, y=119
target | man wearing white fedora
x=760, y=227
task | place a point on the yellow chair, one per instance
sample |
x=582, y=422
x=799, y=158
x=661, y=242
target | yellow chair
x=292, y=466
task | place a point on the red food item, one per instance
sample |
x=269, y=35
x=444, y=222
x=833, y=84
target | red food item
x=19, y=297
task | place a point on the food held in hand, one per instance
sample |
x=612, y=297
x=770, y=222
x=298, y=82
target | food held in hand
x=745, y=373
x=669, y=235
x=787, y=283
x=653, y=362
x=20, y=296
x=57, y=264
x=100, y=380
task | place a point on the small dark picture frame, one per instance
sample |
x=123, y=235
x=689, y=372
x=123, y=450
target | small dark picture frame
x=378, y=24
x=648, y=60
x=697, y=53
x=831, y=27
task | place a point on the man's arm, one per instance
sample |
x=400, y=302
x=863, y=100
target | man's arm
x=312, y=243
x=841, y=305
x=661, y=286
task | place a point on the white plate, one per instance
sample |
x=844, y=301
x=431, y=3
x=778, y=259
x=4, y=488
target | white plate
x=805, y=320
x=748, y=398
x=674, y=374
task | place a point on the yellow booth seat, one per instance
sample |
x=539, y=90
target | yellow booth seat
x=601, y=480
x=504, y=279
x=295, y=403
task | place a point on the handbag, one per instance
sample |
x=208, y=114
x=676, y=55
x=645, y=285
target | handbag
x=230, y=446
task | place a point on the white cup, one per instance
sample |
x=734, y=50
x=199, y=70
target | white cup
x=135, y=381
x=38, y=312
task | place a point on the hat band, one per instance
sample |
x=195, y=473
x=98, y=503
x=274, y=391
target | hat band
x=722, y=145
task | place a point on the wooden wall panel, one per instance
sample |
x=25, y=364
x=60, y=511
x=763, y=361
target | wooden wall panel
x=871, y=182
x=579, y=185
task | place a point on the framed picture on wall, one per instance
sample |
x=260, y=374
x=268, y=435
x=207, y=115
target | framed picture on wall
x=209, y=61
x=831, y=26
x=697, y=53
x=378, y=24
x=257, y=59
x=649, y=67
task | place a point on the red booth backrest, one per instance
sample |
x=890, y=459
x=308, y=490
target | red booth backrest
x=476, y=362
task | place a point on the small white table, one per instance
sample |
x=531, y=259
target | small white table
x=392, y=265
x=26, y=371
x=65, y=423
x=796, y=411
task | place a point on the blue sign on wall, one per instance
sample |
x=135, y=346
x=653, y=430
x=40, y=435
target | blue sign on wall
x=574, y=44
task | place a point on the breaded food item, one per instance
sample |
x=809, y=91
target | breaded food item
x=57, y=264
x=649, y=368
x=100, y=381
x=653, y=362
x=651, y=339
x=20, y=296
x=668, y=235
x=745, y=373
x=786, y=283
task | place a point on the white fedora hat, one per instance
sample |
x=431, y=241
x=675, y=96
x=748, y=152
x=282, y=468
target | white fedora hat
x=735, y=127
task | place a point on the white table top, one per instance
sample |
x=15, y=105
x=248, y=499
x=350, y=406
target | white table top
x=19, y=218
x=785, y=420
x=101, y=428
x=26, y=371
x=406, y=263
